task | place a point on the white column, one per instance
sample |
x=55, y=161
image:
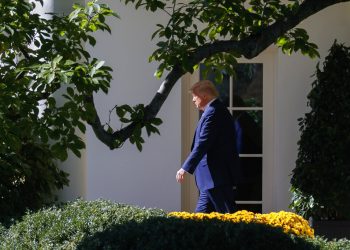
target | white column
x=76, y=167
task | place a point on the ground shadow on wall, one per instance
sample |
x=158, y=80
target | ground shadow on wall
x=173, y=233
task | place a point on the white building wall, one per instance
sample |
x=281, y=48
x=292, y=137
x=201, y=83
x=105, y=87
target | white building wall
x=126, y=175
x=147, y=178
x=293, y=83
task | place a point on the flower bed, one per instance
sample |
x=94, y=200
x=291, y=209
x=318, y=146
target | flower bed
x=290, y=223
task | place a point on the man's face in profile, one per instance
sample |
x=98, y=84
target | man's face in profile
x=199, y=100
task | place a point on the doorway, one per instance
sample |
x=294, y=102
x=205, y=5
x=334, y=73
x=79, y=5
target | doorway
x=249, y=96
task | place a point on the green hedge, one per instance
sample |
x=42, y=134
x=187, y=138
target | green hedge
x=66, y=226
x=324, y=244
x=107, y=225
x=174, y=233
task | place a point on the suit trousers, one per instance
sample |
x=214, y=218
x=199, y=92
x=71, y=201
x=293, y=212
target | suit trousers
x=219, y=199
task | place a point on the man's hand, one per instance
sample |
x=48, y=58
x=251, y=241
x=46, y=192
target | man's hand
x=180, y=175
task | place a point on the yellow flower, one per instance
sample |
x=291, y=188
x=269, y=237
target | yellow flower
x=291, y=223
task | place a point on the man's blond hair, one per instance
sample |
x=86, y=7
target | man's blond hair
x=205, y=86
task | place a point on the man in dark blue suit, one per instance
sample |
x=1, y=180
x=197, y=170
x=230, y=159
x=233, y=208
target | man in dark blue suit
x=213, y=156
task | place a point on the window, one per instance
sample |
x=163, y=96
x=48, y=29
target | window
x=242, y=94
x=249, y=96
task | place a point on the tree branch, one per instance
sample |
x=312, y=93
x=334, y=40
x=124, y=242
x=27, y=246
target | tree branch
x=97, y=127
x=254, y=44
x=249, y=47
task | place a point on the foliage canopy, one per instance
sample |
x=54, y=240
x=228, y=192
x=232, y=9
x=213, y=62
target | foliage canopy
x=217, y=33
x=43, y=61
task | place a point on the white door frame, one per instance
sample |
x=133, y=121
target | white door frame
x=189, y=192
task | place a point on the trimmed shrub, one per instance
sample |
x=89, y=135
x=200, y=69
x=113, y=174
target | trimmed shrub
x=66, y=226
x=175, y=233
x=321, y=178
x=324, y=244
x=107, y=225
x=2, y=231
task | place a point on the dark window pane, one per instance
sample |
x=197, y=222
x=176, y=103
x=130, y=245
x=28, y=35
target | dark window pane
x=248, y=126
x=255, y=208
x=250, y=185
x=247, y=85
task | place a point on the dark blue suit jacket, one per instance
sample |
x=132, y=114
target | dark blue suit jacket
x=213, y=157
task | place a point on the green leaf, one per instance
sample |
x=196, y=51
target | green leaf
x=81, y=126
x=99, y=65
x=63, y=78
x=148, y=130
x=127, y=108
x=74, y=14
x=281, y=41
x=155, y=130
x=109, y=129
x=158, y=73
x=57, y=59
x=59, y=151
x=120, y=111
x=151, y=129
x=76, y=152
x=70, y=91
x=50, y=77
x=139, y=146
x=124, y=120
x=51, y=101
x=92, y=40
x=156, y=121
x=79, y=144
x=167, y=32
